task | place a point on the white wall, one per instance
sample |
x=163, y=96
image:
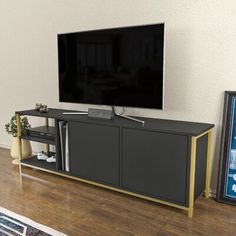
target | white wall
x=200, y=53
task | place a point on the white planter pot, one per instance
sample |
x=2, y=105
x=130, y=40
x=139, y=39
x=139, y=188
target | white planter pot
x=26, y=150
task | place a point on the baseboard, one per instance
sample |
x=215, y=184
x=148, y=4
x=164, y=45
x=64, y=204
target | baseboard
x=213, y=193
x=5, y=146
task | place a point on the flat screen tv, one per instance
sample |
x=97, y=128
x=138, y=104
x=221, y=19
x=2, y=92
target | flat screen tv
x=118, y=66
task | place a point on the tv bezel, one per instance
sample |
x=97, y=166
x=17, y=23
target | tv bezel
x=111, y=28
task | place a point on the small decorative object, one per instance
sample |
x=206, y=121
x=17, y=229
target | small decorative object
x=42, y=156
x=226, y=189
x=41, y=108
x=38, y=106
x=11, y=129
x=52, y=159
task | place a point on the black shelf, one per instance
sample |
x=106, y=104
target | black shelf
x=40, y=140
x=43, y=129
x=33, y=161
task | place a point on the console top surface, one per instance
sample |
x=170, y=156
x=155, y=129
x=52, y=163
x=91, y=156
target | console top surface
x=161, y=125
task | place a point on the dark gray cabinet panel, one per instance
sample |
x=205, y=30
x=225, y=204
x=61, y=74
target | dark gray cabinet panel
x=94, y=152
x=155, y=164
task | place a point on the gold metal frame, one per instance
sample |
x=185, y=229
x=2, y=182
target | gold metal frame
x=193, y=168
x=208, y=167
x=47, y=125
x=108, y=187
x=190, y=207
x=19, y=140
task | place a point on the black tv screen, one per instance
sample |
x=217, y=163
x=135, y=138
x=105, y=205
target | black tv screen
x=119, y=66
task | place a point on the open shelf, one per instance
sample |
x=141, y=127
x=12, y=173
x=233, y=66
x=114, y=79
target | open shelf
x=34, y=162
x=41, y=134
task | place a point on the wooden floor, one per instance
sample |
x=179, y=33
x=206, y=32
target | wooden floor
x=80, y=209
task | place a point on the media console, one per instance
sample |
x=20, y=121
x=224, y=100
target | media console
x=164, y=161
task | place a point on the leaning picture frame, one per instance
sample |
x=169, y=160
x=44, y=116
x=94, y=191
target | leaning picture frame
x=226, y=186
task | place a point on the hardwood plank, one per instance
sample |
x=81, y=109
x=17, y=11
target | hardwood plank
x=80, y=209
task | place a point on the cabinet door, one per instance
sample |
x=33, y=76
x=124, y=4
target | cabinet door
x=94, y=152
x=155, y=164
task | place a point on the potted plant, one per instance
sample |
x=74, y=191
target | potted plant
x=11, y=129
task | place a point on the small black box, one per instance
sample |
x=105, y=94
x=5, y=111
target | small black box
x=42, y=132
x=100, y=113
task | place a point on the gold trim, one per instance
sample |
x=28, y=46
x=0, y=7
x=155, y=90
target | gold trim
x=193, y=169
x=192, y=176
x=19, y=140
x=202, y=134
x=47, y=124
x=208, y=164
x=110, y=188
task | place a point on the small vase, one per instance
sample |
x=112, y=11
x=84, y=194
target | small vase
x=25, y=147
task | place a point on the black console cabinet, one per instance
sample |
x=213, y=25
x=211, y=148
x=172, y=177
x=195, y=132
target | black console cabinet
x=164, y=161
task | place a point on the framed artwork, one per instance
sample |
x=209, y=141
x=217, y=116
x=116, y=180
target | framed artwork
x=226, y=189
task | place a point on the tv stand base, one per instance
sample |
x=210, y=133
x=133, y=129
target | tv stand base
x=127, y=117
x=131, y=118
x=114, y=112
x=113, y=154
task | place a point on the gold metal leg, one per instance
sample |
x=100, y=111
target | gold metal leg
x=208, y=165
x=19, y=140
x=47, y=145
x=192, y=176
